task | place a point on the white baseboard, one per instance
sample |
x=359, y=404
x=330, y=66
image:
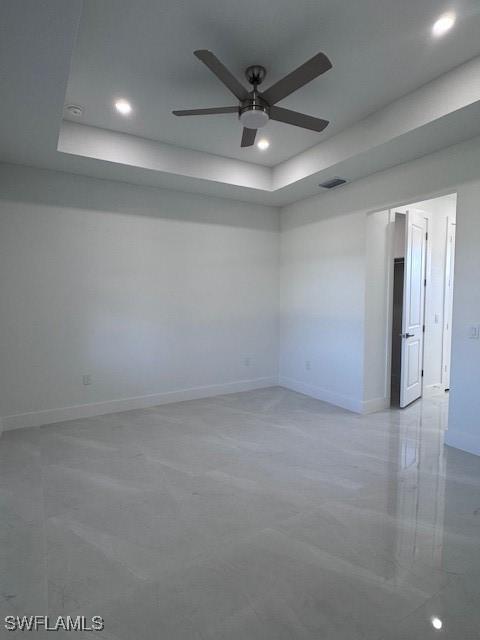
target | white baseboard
x=49, y=416
x=376, y=404
x=338, y=400
x=464, y=441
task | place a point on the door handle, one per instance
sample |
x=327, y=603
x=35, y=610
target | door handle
x=407, y=335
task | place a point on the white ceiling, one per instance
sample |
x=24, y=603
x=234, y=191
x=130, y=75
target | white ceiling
x=143, y=50
x=53, y=52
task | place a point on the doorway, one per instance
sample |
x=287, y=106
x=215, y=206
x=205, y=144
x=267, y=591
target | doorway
x=422, y=267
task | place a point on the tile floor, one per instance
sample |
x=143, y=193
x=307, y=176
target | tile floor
x=254, y=516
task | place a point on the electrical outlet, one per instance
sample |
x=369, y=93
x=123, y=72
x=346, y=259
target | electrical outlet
x=87, y=379
x=308, y=365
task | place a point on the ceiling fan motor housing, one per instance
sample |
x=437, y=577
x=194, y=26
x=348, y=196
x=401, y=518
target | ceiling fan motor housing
x=254, y=112
x=255, y=74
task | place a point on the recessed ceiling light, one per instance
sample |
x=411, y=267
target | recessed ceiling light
x=437, y=623
x=123, y=107
x=444, y=23
x=263, y=144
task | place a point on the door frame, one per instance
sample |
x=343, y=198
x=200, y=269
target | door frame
x=389, y=275
x=448, y=299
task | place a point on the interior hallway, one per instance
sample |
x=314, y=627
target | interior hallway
x=264, y=514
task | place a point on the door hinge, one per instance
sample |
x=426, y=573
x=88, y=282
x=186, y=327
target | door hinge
x=423, y=328
x=422, y=373
x=425, y=282
x=426, y=236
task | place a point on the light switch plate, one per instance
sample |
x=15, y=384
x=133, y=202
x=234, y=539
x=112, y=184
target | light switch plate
x=474, y=332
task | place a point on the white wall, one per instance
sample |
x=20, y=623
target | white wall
x=399, y=235
x=336, y=222
x=322, y=304
x=151, y=292
x=464, y=418
x=380, y=229
x=154, y=291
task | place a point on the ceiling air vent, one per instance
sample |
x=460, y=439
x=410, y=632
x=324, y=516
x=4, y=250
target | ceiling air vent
x=332, y=183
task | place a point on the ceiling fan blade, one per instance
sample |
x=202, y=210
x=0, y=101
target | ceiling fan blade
x=298, y=78
x=297, y=119
x=248, y=137
x=222, y=73
x=205, y=112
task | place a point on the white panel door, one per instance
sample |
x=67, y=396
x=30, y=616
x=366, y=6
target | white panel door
x=413, y=308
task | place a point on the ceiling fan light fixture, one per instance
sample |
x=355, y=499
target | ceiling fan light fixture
x=254, y=117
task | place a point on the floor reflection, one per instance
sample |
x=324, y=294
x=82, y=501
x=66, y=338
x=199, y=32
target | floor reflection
x=264, y=515
x=418, y=491
x=435, y=500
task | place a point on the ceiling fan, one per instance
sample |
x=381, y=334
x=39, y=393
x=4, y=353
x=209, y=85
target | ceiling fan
x=255, y=108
